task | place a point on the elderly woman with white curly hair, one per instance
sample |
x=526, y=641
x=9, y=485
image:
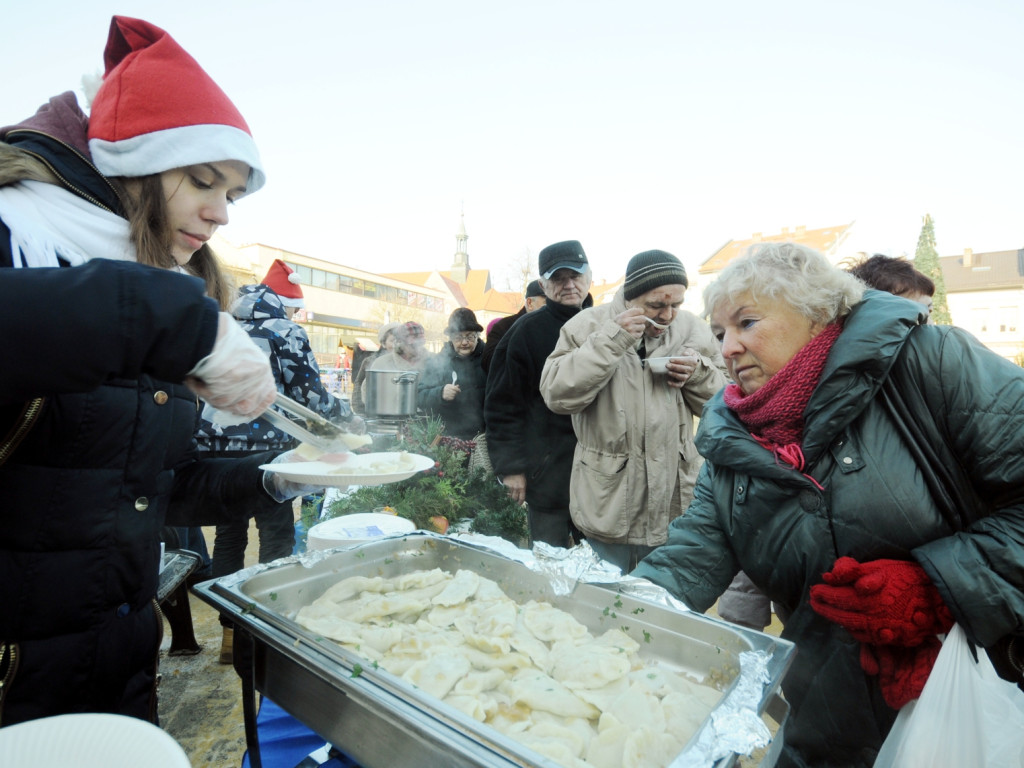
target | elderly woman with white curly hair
x=814, y=486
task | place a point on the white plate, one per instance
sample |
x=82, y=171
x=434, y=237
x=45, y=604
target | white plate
x=89, y=741
x=356, y=529
x=358, y=466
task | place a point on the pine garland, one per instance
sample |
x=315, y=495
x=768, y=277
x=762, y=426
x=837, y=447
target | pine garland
x=450, y=490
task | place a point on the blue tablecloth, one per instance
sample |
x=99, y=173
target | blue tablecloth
x=285, y=742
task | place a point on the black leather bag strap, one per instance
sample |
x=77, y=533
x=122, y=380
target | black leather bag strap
x=948, y=482
x=951, y=489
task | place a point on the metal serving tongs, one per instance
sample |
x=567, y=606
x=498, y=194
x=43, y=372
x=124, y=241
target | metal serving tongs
x=318, y=432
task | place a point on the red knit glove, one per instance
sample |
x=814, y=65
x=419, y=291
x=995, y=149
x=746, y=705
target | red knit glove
x=902, y=672
x=884, y=602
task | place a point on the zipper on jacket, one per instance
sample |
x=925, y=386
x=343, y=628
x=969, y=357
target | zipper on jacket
x=22, y=425
x=64, y=181
x=8, y=666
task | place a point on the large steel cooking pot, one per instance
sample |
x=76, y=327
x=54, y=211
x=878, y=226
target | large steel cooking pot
x=391, y=393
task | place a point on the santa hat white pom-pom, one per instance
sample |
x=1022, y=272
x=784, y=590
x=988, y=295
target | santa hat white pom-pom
x=91, y=86
x=294, y=278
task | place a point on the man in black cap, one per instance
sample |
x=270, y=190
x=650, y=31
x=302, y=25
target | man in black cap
x=534, y=299
x=530, y=447
x=633, y=373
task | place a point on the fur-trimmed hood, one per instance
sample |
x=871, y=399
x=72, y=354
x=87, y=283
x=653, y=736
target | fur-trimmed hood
x=52, y=146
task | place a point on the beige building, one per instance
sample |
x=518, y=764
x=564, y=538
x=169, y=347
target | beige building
x=985, y=295
x=826, y=240
x=346, y=306
x=343, y=305
x=465, y=286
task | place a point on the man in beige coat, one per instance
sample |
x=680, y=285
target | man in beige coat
x=635, y=463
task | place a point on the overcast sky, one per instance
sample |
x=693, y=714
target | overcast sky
x=626, y=125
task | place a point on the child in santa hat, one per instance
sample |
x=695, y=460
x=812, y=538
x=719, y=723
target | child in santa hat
x=284, y=281
x=98, y=402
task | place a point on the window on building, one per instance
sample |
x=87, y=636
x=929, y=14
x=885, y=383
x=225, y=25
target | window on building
x=332, y=281
x=318, y=279
x=1007, y=319
x=979, y=319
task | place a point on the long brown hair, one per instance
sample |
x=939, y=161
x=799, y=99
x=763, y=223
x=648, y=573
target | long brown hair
x=150, y=233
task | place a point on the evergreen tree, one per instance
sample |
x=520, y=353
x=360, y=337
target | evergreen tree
x=926, y=261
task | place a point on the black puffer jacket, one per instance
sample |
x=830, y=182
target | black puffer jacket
x=767, y=519
x=523, y=435
x=107, y=460
x=463, y=417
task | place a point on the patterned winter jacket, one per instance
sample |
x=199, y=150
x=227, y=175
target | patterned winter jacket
x=262, y=316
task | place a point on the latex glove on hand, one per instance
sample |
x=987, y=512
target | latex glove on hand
x=235, y=376
x=355, y=425
x=883, y=602
x=279, y=487
x=902, y=672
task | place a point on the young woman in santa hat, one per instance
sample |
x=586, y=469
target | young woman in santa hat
x=104, y=219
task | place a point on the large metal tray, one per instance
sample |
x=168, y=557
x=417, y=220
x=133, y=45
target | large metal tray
x=381, y=720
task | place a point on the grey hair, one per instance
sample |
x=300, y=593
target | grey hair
x=545, y=282
x=791, y=273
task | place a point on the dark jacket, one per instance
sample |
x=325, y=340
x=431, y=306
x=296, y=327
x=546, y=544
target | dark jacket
x=497, y=332
x=523, y=435
x=107, y=456
x=262, y=315
x=463, y=417
x=751, y=513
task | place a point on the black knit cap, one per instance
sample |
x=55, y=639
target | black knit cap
x=651, y=269
x=462, y=319
x=567, y=254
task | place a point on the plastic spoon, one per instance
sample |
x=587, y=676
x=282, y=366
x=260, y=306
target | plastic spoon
x=655, y=324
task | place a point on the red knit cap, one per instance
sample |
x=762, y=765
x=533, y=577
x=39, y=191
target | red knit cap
x=284, y=281
x=158, y=110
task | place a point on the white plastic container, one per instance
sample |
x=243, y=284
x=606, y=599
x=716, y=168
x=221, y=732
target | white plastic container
x=349, y=530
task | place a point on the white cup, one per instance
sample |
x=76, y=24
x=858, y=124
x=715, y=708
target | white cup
x=658, y=364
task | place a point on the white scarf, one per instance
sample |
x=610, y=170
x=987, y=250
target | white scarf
x=46, y=221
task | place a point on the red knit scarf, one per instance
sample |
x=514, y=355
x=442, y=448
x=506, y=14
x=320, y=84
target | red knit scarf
x=774, y=414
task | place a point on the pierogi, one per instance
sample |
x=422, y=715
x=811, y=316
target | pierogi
x=532, y=671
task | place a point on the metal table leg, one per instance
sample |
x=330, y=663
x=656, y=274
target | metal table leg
x=244, y=660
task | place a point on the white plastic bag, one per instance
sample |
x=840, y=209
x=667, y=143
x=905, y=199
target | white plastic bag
x=967, y=716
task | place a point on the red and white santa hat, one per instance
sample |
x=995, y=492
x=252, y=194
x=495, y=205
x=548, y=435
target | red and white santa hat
x=158, y=110
x=284, y=281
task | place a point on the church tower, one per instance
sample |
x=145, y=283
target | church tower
x=460, y=267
